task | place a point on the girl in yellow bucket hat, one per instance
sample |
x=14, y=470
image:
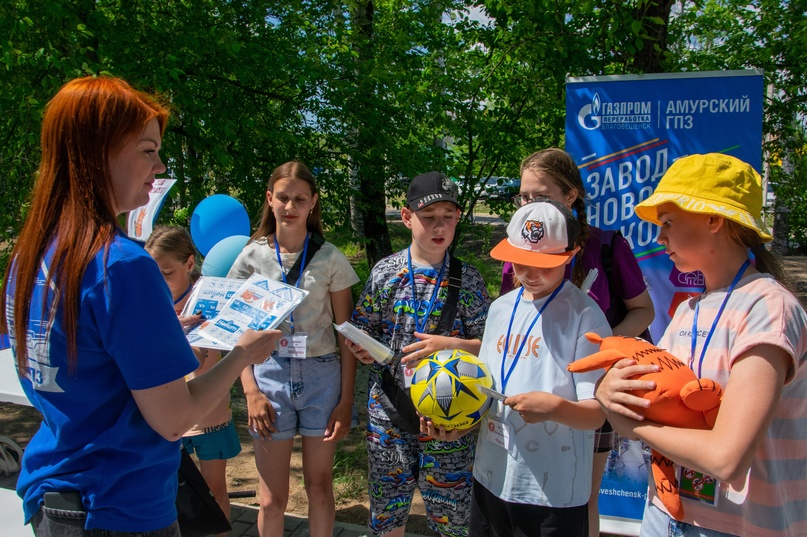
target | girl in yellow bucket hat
x=747, y=332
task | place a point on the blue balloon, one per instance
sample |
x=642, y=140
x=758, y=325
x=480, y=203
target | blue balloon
x=215, y=218
x=222, y=255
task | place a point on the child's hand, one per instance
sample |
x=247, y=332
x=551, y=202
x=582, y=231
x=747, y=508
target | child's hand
x=191, y=320
x=611, y=391
x=428, y=344
x=440, y=433
x=261, y=415
x=339, y=422
x=533, y=407
x=359, y=352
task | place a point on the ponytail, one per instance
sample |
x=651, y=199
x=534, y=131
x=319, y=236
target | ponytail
x=764, y=260
x=579, y=271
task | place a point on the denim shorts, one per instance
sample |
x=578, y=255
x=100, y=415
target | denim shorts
x=217, y=445
x=657, y=523
x=303, y=392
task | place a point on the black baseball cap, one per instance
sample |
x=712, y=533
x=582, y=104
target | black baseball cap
x=428, y=188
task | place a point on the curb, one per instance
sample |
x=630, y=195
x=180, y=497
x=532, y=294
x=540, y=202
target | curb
x=245, y=517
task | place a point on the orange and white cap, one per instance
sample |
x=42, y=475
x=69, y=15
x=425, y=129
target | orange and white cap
x=541, y=234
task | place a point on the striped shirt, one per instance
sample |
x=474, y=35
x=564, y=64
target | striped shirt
x=773, y=499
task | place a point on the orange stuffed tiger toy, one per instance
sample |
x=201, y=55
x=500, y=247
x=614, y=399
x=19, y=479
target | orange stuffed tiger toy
x=680, y=399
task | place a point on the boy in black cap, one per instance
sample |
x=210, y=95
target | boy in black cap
x=405, y=305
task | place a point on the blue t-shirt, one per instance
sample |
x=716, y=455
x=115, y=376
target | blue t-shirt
x=93, y=438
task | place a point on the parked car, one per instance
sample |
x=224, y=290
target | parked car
x=478, y=190
x=397, y=183
x=502, y=188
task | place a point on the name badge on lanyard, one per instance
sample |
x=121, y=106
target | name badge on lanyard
x=293, y=346
x=697, y=486
x=499, y=433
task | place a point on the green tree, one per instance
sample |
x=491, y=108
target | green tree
x=768, y=35
x=233, y=73
x=44, y=44
x=368, y=92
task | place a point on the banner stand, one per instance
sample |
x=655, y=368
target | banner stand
x=624, y=131
x=619, y=525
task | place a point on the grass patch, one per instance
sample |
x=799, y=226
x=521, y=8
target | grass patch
x=350, y=467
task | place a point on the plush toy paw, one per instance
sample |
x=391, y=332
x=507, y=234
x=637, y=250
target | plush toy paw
x=702, y=395
x=680, y=399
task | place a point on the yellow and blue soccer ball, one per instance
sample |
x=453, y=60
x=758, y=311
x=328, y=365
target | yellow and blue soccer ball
x=445, y=388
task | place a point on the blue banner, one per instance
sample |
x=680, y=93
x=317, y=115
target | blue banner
x=624, y=131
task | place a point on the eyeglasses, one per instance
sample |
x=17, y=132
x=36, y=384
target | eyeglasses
x=522, y=199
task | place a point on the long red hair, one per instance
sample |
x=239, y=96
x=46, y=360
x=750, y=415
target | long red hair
x=72, y=205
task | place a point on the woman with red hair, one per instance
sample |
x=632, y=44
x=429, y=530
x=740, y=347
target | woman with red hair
x=99, y=349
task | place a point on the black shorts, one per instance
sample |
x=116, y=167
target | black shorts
x=605, y=438
x=494, y=517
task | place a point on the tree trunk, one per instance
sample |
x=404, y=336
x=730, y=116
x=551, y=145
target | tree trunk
x=367, y=162
x=356, y=223
x=648, y=60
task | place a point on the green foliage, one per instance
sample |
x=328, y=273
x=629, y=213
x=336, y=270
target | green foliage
x=476, y=241
x=790, y=186
x=366, y=92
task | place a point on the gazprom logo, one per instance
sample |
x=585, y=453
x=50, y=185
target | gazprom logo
x=589, y=115
x=615, y=115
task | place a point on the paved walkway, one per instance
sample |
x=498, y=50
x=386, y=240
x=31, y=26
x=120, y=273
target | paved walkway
x=243, y=518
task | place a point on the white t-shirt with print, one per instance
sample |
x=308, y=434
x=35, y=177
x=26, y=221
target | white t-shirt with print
x=548, y=463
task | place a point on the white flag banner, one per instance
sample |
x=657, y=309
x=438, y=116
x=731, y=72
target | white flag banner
x=141, y=220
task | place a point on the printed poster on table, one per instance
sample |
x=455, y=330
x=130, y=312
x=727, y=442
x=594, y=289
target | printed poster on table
x=141, y=221
x=624, y=131
x=208, y=297
x=260, y=303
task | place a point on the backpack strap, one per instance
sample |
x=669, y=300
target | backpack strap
x=299, y=265
x=449, y=312
x=616, y=307
x=607, y=253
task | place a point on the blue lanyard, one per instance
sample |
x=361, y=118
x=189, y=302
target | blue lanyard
x=419, y=326
x=506, y=378
x=714, y=324
x=183, y=295
x=283, y=273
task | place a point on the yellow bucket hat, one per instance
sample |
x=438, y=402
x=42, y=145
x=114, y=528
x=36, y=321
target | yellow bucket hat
x=711, y=184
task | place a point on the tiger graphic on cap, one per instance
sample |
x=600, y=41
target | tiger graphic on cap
x=533, y=231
